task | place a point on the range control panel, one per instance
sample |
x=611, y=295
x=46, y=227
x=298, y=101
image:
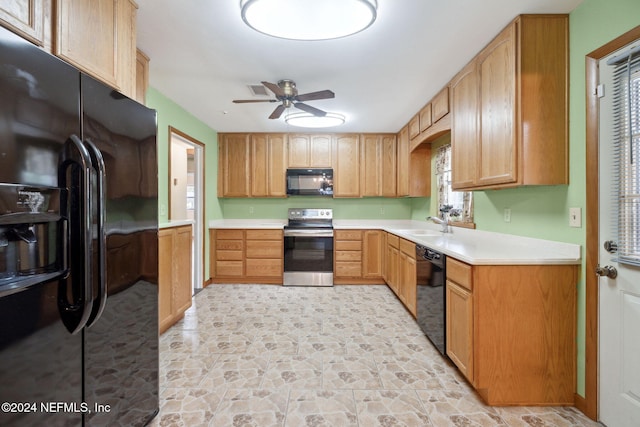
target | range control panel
x=303, y=213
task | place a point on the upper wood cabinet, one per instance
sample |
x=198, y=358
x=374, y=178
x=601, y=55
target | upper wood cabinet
x=142, y=76
x=510, y=117
x=346, y=167
x=268, y=165
x=306, y=151
x=431, y=121
x=234, y=165
x=378, y=165
x=402, y=184
x=99, y=37
x=28, y=18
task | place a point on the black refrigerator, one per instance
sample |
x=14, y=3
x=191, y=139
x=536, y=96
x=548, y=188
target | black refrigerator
x=78, y=247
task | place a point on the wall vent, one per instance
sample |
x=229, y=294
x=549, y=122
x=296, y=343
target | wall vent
x=259, y=90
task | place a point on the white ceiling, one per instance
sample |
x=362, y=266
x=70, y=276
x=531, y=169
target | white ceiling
x=203, y=56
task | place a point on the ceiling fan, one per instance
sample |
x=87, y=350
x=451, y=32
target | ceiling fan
x=286, y=92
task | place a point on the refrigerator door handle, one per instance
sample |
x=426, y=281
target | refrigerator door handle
x=75, y=296
x=98, y=164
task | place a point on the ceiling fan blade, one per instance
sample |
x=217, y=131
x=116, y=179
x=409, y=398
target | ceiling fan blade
x=274, y=88
x=312, y=96
x=277, y=112
x=246, y=101
x=309, y=109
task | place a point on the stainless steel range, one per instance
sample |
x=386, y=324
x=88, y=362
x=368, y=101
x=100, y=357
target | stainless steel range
x=308, y=248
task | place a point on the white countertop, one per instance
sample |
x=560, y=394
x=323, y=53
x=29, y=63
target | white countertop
x=176, y=223
x=471, y=246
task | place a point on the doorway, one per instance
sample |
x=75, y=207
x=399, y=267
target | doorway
x=593, y=342
x=186, y=194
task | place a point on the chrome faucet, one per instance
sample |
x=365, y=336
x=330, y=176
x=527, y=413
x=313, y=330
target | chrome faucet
x=442, y=221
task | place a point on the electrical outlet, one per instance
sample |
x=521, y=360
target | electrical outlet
x=163, y=209
x=575, y=217
x=381, y=210
x=251, y=210
x=507, y=215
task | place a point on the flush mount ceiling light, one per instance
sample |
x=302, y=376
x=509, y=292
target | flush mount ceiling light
x=309, y=19
x=308, y=120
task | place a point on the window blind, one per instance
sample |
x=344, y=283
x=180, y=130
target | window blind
x=626, y=154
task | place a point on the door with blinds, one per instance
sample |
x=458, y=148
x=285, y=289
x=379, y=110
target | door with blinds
x=619, y=256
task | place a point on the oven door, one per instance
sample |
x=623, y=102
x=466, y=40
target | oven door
x=308, y=257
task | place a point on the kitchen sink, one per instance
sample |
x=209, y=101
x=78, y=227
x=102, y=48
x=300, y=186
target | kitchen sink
x=421, y=233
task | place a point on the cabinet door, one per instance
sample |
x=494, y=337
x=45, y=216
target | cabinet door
x=370, y=164
x=497, y=74
x=182, y=286
x=320, y=154
x=165, y=278
x=372, y=254
x=464, y=127
x=259, y=166
x=26, y=18
x=403, y=162
x=408, y=282
x=388, y=165
x=233, y=165
x=277, y=165
x=393, y=261
x=298, y=151
x=425, y=118
x=99, y=38
x=459, y=328
x=142, y=76
x=346, y=176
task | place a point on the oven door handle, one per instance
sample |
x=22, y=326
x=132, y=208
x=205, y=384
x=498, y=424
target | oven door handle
x=308, y=233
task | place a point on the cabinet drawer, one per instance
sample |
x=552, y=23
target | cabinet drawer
x=264, y=267
x=408, y=248
x=393, y=240
x=348, y=269
x=348, y=245
x=460, y=273
x=348, y=234
x=264, y=249
x=234, y=245
x=224, y=255
x=229, y=235
x=348, y=256
x=229, y=268
x=263, y=234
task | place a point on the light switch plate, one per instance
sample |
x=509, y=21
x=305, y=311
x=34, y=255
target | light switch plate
x=507, y=215
x=575, y=217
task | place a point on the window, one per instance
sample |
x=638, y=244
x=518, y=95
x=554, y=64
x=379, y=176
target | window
x=459, y=204
x=626, y=111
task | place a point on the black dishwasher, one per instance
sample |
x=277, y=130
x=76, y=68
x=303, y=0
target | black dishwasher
x=430, y=308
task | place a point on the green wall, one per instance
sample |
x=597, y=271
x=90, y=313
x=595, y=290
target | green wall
x=541, y=212
x=171, y=114
x=366, y=208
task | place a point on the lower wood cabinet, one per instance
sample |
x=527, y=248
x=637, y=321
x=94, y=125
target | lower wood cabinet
x=511, y=331
x=247, y=255
x=357, y=257
x=407, y=273
x=174, y=274
x=400, y=270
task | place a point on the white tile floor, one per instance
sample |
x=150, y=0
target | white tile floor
x=265, y=355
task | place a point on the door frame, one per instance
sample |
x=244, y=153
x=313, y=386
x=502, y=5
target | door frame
x=201, y=220
x=589, y=404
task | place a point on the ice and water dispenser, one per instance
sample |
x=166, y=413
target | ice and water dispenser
x=31, y=236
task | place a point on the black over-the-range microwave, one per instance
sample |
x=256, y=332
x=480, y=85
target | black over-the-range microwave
x=310, y=182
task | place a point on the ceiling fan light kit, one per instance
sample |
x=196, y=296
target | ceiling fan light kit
x=309, y=19
x=308, y=120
